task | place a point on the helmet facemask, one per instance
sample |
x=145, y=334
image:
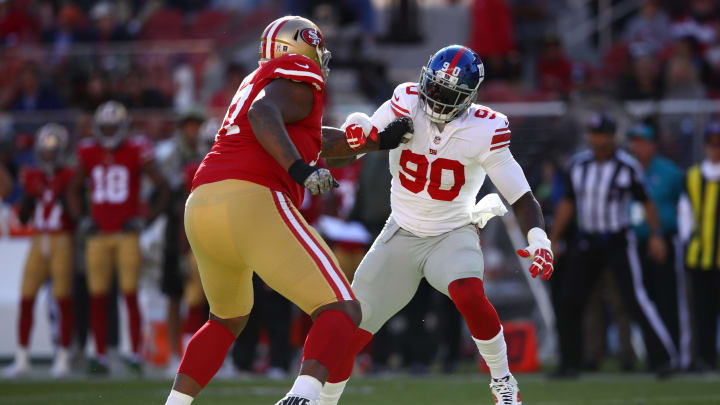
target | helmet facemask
x=111, y=124
x=50, y=146
x=441, y=97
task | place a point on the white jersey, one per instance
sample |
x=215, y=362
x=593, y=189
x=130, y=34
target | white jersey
x=437, y=175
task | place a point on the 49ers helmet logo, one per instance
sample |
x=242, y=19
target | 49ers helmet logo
x=311, y=36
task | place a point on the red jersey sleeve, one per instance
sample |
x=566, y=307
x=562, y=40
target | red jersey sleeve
x=298, y=68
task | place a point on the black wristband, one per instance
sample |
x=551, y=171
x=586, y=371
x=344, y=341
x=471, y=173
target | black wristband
x=299, y=171
x=391, y=136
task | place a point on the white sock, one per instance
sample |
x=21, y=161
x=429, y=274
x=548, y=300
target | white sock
x=494, y=352
x=307, y=387
x=331, y=392
x=22, y=356
x=178, y=398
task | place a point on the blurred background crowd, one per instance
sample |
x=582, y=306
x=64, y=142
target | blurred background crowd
x=176, y=64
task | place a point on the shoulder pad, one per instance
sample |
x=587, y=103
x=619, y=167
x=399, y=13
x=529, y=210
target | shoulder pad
x=404, y=98
x=299, y=68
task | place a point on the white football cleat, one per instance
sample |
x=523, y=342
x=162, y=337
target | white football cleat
x=292, y=399
x=505, y=390
x=61, y=364
x=20, y=367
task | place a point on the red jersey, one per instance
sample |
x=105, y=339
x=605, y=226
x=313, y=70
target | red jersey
x=237, y=154
x=50, y=215
x=115, y=176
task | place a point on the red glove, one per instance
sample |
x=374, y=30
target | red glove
x=358, y=128
x=540, y=252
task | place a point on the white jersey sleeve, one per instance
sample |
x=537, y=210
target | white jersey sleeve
x=399, y=105
x=499, y=163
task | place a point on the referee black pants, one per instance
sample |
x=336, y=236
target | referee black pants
x=706, y=308
x=588, y=257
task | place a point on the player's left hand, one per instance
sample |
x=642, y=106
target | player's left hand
x=540, y=252
x=358, y=127
x=135, y=224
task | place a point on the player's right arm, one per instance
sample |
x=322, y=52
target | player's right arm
x=282, y=102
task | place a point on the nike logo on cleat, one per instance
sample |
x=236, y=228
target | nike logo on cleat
x=302, y=66
x=295, y=401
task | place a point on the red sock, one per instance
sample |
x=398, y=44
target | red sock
x=67, y=320
x=343, y=371
x=468, y=294
x=329, y=338
x=25, y=321
x=206, y=352
x=135, y=321
x=196, y=317
x=99, y=322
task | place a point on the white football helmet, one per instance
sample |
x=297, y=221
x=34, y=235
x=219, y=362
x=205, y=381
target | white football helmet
x=111, y=123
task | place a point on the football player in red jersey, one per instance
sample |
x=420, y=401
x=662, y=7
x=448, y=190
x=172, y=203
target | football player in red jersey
x=242, y=218
x=50, y=256
x=113, y=163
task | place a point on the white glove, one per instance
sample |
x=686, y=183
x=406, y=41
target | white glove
x=358, y=128
x=488, y=207
x=540, y=252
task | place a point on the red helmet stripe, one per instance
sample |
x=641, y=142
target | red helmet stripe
x=456, y=59
x=274, y=34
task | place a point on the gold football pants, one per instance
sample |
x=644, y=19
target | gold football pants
x=194, y=294
x=236, y=228
x=107, y=252
x=50, y=256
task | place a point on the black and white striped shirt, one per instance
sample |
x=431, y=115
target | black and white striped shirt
x=603, y=191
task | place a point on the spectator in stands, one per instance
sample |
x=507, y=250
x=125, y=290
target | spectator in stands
x=234, y=75
x=30, y=94
x=95, y=92
x=698, y=225
x=701, y=22
x=664, y=180
x=650, y=26
x=682, y=80
x=554, y=69
x=17, y=25
x=65, y=32
x=643, y=81
x=104, y=25
x=136, y=92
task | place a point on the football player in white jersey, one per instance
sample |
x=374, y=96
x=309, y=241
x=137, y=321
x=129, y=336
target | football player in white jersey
x=432, y=231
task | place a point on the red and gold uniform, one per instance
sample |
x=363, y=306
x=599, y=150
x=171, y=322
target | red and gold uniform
x=115, y=176
x=242, y=217
x=50, y=255
x=51, y=251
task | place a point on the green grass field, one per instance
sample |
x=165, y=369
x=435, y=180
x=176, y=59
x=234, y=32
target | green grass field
x=599, y=389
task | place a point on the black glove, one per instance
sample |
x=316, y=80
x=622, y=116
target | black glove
x=135, y=224
x=394, y=133
x=315, y=179
x=87, y=226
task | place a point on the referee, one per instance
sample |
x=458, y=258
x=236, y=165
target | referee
x=601, y=184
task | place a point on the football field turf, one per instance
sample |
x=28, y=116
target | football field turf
x=599, y=389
